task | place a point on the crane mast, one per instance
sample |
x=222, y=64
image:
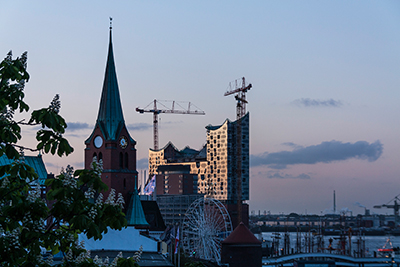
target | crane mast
x=240, y=90
x=156, y=111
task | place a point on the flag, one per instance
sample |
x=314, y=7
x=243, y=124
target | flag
x=149, y=189
x=166, y=236
x=177, y=241
x=171, y=236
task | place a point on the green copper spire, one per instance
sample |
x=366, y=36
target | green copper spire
x=134, y=213
x=110, y=117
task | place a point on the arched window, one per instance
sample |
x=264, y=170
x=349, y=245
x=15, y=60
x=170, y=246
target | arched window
x=95, y=155
x=100, y=156
x=126, y=160
x=121, y=160
x=124, y=183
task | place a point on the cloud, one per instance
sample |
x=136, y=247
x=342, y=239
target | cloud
x=308, y=102
x=279, y=175
x=141, y=126
x=325, y=152
x=142, y=163
x=76, y=126
x=52, y=165
x=79, y=136
x=292, y=145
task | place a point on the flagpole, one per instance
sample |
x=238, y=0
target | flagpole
x=179, y=254
x=155, y=188
x=171, y=254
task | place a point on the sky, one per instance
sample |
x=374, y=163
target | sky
x=324, y=110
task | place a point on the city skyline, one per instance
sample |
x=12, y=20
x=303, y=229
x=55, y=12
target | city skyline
x=323, y=107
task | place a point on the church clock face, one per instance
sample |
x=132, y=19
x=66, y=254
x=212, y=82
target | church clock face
x=98, y=141
x=123, y=142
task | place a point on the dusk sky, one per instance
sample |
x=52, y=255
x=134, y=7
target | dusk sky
x=324, y=107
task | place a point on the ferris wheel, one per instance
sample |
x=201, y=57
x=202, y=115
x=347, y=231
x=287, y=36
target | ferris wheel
x=206, y=224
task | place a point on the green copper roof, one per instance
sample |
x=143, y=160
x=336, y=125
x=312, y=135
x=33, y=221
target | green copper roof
x=134, y=213
x=110, y=117
x=35, y=162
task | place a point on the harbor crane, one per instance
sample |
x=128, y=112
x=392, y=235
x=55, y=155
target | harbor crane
x=239, y=88
x=395, y=206
x=155, y=110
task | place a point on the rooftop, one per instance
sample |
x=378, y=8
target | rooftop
x=36, y=162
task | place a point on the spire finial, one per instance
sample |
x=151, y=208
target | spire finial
x=110, y=23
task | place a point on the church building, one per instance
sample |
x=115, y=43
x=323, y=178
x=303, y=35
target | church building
x=110, y=140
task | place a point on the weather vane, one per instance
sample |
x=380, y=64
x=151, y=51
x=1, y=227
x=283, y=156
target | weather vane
x=110, y=23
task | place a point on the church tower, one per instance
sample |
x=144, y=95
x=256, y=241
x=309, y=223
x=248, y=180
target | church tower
x=110, y=139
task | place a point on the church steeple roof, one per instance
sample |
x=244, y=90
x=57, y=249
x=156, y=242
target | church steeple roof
x=134, y=213
x=110, y=117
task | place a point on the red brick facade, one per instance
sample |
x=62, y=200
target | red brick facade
x=119, y=164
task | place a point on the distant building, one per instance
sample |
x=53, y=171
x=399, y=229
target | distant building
x=214, y=166
x=174, y=207
x=175, y=180
x=220, y=181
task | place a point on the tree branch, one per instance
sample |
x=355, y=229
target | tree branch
x=25, y=148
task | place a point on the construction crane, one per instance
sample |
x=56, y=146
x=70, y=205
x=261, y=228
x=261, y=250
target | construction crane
x=240, y=89
x=395, y=206
x=172, y=110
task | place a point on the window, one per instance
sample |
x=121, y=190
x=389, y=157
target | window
x=124, y=183
x=121, y=160
x=100, y=156
x=95, y=155
x=126, y=160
